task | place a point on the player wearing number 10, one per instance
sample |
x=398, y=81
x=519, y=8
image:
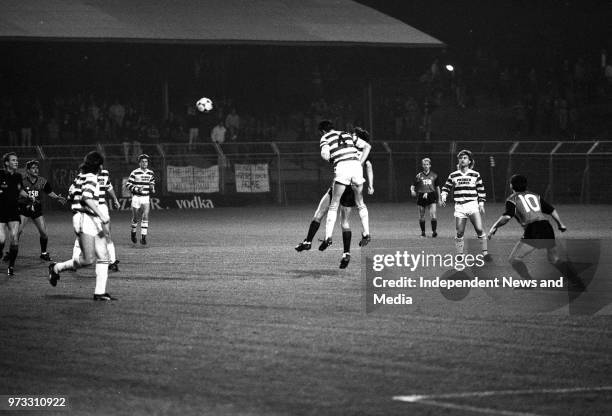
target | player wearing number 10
x=529, y=208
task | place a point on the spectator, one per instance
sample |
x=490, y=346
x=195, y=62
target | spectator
x=116, y=114
x=217, y=134
x=232, y=123
x=193, y=125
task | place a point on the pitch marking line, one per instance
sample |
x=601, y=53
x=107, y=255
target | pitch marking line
x=433, y=400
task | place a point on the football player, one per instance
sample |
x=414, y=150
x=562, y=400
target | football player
x=427, y=191
x=31, y=208
x=141, y=184
x=347, y=201
x=529, y=208
x=469, y=195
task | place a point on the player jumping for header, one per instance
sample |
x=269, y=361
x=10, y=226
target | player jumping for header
x=347, y=201
x=469, y=195
x=529, y=208
x=342, y=149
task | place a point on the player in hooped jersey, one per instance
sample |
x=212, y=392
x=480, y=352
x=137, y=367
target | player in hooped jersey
x=427, y=191
x=469, y=195
x=529, y=208
x=105, y=187
x=89, y=224
x=34, y=185
x=141, y=184
x=347, y=202
x=342, y=150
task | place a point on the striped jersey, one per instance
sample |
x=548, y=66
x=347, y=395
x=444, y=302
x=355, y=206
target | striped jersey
x=104, y=185
x=466, y=186
x=527, y=207
x=84, y=187
x=342, y=146
x=141, y=182
x=34, y=186
x=426, y=183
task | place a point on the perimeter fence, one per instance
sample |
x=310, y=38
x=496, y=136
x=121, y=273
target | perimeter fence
x=293, y=172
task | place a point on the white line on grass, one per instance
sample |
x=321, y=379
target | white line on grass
x=432, y=399
x=484, y=410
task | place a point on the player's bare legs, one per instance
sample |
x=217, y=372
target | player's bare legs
x=460, y=229
x=332, y=213
x=41, y=226
x=144, y=224
x=421, y=210
x=433, y=212
x=476, y=220
x=102, y=262
x=518, y=253
x=315, y=223
x=3, y=237
x=345, y=224
x=10, y=232
x=363, y=214
x=135, y=220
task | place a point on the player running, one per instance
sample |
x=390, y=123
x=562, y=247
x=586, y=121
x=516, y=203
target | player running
x=427, y=191
x=10, y=191
x=469, y=195
x=347, y=201
x=529, y=208
x=342, y=149
x=105, y=186
x=34, y=185
x=89, y=225
x=141, y=184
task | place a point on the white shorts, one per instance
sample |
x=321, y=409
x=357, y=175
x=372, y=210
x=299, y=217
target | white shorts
x=349, y=172
x=86, y=224
x=140, y=200
x=467, y=209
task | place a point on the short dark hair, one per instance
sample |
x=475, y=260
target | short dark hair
x=31, y=163
x=92, y=162
x=467, y=153
x=326, y=125
x=7, y=156
x=362, y=133
x=143, y=156
x=519, y=183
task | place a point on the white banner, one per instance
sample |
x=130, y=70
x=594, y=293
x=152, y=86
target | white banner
x=191, y=179
x=252, y=178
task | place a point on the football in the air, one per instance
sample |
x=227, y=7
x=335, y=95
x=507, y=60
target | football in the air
x=204, y=105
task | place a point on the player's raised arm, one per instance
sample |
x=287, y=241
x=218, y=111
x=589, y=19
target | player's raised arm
x=365, y=150
x=325, y=151
x=550, y=210
x=370, y=177
x=504, y=218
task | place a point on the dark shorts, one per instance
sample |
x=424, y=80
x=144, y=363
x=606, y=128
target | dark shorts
x=28, y=211
x=9, y=214
x=539, y=234
x=348, y=197
x=432, y=198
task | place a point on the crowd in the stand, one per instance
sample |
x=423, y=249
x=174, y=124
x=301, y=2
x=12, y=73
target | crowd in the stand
x=544, y=101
